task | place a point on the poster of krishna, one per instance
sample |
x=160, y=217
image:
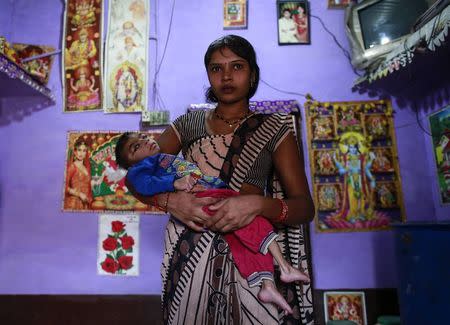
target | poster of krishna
x=93, y=181
x=354, y=167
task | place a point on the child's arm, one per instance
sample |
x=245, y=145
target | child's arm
x=146, y=183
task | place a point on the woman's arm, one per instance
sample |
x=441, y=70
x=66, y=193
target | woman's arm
x=236, y=212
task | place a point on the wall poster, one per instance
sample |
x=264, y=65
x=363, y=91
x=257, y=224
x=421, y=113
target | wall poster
x=235, y=14
x=353, y=159
x=440, y=135
x=82, y=78
x=345, y=305
x=93, y=181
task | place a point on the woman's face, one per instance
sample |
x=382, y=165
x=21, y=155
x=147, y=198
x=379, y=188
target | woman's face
x=229, y=76
x=300, y=10
x=80, y=152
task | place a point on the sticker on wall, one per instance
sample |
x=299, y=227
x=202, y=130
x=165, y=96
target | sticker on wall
x=235, y=14
x=345, y=305
x=39, y=68
x=440, y=135
x=93, y=181
x=118, y=245
x=82, y=57
x=339, y=4
x=126, y=62
x=354, y=166
x=293, y=22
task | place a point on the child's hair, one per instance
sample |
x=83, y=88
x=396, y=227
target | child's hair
x=121, y=160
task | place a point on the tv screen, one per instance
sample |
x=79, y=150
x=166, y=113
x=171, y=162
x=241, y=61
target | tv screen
x=387, y=20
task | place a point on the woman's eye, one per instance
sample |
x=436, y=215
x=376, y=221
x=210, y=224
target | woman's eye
x=215, y=69
x=237, y=66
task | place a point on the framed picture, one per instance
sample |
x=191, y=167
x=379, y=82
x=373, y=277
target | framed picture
x=93, y=180
x=339, y=4
x=293, y=22
x=345, y=305
x=440, y=135
x=235, y=14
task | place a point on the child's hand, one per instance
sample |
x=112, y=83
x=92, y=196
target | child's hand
x=185, y=183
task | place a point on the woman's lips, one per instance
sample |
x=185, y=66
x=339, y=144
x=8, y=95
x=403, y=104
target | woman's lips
x=227, y=89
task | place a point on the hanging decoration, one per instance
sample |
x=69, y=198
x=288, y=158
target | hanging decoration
x=93, y=181
x=82, y=80
x=235, y=14
x=354, y=167
x=440, y=135
x=126, y=64
x=118, y=245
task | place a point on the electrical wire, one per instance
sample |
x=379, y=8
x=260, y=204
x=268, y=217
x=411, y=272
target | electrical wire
x=281, y=90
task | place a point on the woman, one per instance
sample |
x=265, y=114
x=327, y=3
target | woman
x=78, y=179
x=301, y=21
x=201, y=282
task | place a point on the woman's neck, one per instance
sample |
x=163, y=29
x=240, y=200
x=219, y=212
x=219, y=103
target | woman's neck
x=234, y=110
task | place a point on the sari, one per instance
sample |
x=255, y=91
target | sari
x=201, y=284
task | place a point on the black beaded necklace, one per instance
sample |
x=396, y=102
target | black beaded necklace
x=231, y=123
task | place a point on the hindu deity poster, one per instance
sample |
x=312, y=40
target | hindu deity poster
x=126, y=63
x=235, y=14
x=345, y=305
x=118, y=245
x=354, y=167
x=440, y=134
x=39, y=68
x=93, y=181
x=82, y=79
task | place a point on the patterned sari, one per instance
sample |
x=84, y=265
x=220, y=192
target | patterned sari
x=201, y=284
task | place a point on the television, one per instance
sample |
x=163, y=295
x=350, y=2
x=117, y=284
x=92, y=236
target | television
x=376, y=27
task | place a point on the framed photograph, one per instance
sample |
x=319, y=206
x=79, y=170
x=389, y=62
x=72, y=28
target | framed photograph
x=339, y=4
x=293, y=22
x=235, y=14
x=345, y=305
x=440, y=136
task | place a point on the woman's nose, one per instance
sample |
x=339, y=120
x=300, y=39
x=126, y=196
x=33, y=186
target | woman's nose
x=227, y=73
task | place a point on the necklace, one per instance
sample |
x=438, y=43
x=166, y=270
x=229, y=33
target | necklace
x=231, y=123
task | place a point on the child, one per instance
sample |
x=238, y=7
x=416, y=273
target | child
x=151, y=172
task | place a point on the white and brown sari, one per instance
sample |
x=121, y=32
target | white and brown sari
x=201, y=284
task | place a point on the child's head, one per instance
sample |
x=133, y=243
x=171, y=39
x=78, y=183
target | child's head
x=132, y=147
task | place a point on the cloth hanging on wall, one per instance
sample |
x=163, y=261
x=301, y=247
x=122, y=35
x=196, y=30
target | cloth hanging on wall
x=126, y=64
x=118, y=245
x=354, y=165
x=82, y=79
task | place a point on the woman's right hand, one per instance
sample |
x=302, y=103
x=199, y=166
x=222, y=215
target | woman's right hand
x=188, y=209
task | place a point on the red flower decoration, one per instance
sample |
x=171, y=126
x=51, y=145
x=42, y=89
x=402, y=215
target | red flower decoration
x=110, y=244
x=110, y=265
x=125, y=262
x=117, y=226
x=127, y=242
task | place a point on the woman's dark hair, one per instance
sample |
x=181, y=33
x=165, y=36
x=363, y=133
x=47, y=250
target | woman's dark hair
x=241, y=47
x=120, y=145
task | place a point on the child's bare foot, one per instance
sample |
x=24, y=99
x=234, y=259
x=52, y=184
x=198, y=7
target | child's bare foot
x=269, y=293
x=291, y=274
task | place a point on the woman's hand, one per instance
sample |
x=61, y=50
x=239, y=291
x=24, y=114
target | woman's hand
x=188, y=209
x=234, y=213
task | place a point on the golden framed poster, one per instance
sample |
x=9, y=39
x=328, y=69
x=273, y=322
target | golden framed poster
x=354, y=166
x=235, y=14
x=93, y=181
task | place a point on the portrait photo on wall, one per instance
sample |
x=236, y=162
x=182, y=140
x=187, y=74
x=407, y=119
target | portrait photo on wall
x=354, y=166
x=345, y=305
x=293, y=22
x=93, y=180
x=235, y=14
x=440, y=135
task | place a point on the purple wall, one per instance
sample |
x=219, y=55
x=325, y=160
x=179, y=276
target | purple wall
x=43, y=250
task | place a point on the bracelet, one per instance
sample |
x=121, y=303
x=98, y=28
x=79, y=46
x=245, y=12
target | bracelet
x=284, y=212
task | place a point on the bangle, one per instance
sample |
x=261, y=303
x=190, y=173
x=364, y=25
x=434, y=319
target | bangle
x=282, y=217
x=164, y=207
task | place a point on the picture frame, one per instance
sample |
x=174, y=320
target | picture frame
x=293, y=22
x=339, y=4
x=440, y=137
x=235, y=14
x=345, y=305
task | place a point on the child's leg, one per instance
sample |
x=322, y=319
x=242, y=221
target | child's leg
x=269, y=294
x=288, y=272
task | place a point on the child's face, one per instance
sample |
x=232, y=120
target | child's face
x=139, y=147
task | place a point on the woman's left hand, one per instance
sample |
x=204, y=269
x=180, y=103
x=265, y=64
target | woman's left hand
x=234, y=213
